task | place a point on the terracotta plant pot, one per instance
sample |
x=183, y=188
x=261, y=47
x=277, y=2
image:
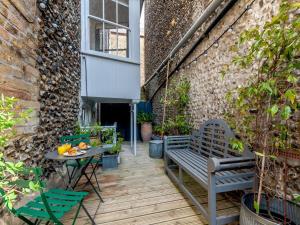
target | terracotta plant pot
x=146, y=131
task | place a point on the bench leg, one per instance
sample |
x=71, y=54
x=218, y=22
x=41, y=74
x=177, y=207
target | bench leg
x=167, y=162
x=212, y=199
x=180, y=176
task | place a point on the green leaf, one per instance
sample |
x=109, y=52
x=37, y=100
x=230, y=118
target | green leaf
x=273, y=110
x=290, y=94
x=265, y=87
x=296, y=198
x=286, y=112
x=292, y=79
x=237, y=144
x=256, y=206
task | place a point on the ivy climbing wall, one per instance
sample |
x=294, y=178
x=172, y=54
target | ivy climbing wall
x=40, y=65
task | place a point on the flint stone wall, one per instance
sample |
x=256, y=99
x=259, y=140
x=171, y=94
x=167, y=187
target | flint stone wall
x=208, y=89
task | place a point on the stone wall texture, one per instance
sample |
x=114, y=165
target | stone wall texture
x=40, y=65
x=208, y=89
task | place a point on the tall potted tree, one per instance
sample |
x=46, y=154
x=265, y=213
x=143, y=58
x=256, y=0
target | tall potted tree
x=263, y=112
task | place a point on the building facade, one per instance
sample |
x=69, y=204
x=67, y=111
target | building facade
x=110, y=62
x=168, y=22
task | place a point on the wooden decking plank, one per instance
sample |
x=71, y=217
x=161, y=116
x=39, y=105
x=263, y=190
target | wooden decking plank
x=139, y=193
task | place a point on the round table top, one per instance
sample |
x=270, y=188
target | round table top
x=89, y=153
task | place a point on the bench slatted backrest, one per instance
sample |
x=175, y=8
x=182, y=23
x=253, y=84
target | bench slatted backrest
x=75, y=139
x=213, y=140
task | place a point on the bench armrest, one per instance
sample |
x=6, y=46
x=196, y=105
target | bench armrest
x=215, y=164
x=176, y=142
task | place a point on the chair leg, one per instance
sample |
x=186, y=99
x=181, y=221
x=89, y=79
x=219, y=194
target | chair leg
x=77, y=212
x=95, y=190
x=87, y=213
x=95, y=175
x=27, y=221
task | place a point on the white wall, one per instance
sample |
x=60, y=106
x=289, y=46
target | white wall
x=108, y=78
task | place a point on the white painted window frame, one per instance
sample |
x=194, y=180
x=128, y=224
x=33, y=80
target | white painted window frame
x=86, y=17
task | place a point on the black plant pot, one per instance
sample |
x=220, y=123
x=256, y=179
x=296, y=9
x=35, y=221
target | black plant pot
x=276, y=207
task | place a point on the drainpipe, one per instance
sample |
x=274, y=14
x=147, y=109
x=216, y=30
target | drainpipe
x=204, y=16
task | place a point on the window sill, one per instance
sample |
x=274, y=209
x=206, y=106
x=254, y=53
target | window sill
x=108, y=56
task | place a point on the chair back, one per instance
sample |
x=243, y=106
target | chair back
x=74, y=140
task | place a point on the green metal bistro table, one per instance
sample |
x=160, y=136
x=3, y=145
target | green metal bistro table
x=79, y=171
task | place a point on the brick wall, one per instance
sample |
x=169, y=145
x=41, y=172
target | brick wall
x=40, y=65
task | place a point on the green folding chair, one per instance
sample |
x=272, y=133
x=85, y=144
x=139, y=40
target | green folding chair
x=50, y=206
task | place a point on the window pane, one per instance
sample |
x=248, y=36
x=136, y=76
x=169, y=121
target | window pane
x=96, y=35
x=123, y=15
x=123, y=42
x=110, y=39
x=125, y=2
x=96, y=8
x=110, y=10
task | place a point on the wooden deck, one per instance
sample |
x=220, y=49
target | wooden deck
x=139, y=193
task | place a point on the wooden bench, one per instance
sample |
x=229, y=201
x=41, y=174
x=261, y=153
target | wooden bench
x=208, y=158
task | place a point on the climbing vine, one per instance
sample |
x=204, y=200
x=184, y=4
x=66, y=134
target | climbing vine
x=177, y=101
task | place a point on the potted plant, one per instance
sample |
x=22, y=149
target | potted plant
x=177, y=123
x=111, y=158
x=11, y=173
x=145, y=119
x=107, y=137
x=263, y=113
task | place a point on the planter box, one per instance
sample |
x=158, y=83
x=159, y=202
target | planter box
x=156, y=149
x=110, y=161
x=276, y=207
